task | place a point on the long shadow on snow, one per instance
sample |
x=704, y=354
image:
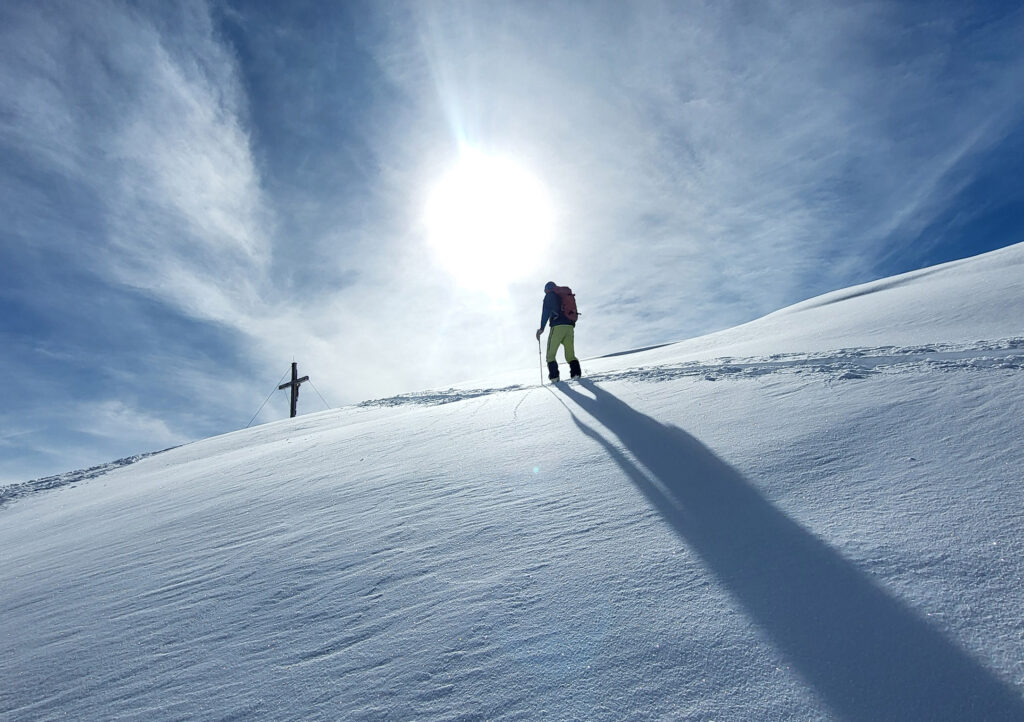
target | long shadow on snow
x=867, y=654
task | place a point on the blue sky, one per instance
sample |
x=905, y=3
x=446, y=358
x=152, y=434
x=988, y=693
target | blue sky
x=196, y=193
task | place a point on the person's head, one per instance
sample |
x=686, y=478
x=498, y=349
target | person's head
x=549, y=286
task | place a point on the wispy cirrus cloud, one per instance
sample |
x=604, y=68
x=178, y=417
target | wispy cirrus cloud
x=134, y=205
x=150, y=128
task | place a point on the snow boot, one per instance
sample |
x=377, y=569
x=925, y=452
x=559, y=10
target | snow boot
x=553, y=370
x=574, y=369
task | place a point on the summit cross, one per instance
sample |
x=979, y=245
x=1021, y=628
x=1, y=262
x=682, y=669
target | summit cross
x=294, y=385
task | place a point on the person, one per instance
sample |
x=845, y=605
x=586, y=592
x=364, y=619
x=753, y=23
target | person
x=561, y=333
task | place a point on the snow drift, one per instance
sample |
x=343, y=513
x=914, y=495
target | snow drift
x=815, y=515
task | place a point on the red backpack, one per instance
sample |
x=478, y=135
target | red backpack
x=568, y=302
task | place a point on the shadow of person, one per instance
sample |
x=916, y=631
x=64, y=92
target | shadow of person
x=867, y=654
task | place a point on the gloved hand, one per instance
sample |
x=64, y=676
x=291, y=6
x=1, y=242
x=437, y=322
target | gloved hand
x=539, y=332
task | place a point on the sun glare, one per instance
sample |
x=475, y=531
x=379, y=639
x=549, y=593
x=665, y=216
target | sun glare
x=489, y=220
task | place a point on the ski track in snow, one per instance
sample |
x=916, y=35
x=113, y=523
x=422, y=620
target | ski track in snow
x=840, y=365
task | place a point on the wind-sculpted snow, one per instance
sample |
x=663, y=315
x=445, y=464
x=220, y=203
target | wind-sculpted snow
x=670, y=549
x=48, y=483
x=868, y=654
x=840, y=365
x=732, y=528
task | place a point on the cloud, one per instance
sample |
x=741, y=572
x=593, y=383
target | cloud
x=114, y=419
x=213, y=190
x=150, y=126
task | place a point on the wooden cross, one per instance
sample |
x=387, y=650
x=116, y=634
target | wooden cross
x=294, y=385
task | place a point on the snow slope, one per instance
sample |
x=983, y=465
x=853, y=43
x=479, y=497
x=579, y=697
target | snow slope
x=813, y=516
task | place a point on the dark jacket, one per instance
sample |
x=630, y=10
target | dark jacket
x=552, y=311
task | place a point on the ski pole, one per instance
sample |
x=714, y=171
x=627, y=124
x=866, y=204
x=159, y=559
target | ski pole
x=540, y=360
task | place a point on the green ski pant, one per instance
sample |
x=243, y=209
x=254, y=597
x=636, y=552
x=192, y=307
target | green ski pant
x=561, y=336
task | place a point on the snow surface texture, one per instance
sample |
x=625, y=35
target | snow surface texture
x=813, y=516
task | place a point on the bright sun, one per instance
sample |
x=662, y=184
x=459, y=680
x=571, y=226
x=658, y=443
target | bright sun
x=489, y=220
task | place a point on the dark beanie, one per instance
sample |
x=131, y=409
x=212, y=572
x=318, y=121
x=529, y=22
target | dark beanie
x=549, y=286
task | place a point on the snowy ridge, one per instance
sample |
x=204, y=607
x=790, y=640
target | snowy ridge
x=10, y=492
x=957, y=302
x=839, y=365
